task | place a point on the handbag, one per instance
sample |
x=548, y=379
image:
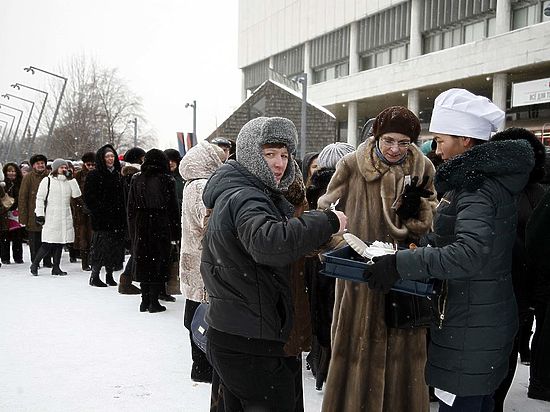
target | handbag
x=13, y=220
x=199, y=326
x=405, y=311
x=7, y=201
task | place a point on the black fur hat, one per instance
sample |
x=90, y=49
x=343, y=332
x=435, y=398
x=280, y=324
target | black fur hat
x=88, y=157
x=134, y=155
x=37, y=158
x=155, y=160
x=517, y=133
x=173, y=155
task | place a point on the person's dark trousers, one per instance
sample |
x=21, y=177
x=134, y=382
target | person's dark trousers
x=260, y=383
x=73, y=253
x=201, y=370
x=51, y=249
x=539, y=383
x=482, y=403
x=295, y=365
x=35, y=241
x=502, y=390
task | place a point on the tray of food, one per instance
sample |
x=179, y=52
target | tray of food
x=346, y=263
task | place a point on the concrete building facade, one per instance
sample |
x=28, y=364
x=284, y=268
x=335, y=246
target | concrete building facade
x=364, y=55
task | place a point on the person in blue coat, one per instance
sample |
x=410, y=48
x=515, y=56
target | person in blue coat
x=470, y=250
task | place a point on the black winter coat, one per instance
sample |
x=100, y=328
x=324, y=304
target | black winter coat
x=104, y=195
x=537, y=241
x=153, y=223
x=250, y=242
x=475, y=230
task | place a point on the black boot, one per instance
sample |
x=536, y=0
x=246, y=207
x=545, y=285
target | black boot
x=56, y=255
x=144, y=305
x=154, y=305
x=56, y=271
x=85, y=265
x=95, y=280
x=165, y=296
x=34, y=269
x=109, y=279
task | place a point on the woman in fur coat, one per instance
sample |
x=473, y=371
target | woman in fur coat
x=15, y=232
x=383, y=368
x=153, y=224
x=196, y=167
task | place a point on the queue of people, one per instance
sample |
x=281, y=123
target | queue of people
x=248, y=226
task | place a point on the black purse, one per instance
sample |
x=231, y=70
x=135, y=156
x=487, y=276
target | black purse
x=405, y=311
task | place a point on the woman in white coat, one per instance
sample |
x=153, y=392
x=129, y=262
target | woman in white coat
x=53, y=211
x=196, y=167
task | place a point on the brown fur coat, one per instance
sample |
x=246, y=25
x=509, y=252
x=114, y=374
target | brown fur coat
x=374, y=368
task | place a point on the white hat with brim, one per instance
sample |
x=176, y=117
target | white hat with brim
x=458, y=112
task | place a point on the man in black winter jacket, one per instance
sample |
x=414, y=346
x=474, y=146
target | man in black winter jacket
x=250, y=242
x=470, y=250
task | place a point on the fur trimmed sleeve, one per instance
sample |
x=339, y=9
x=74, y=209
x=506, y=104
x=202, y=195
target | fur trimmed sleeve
x=338, y=186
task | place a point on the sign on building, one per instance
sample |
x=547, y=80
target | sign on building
x=533, y=92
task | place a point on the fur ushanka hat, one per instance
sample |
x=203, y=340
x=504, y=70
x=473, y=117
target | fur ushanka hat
x=396, y=119
x=267, y=130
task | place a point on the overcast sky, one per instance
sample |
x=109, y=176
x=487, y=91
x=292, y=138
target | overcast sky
x=169, y=51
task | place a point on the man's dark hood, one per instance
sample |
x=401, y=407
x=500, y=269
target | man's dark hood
x=507, y=161
x=100, y=159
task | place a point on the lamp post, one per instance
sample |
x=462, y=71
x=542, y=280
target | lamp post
x=31, y=69
x=194, y=106
x=18, y=87
x=16, y=129
x=302, y=78
x=7, y=96
x=3, y=129
x=8, y=136
x=135, y=130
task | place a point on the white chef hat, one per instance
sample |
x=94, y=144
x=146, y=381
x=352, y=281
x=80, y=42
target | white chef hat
x=461, y=113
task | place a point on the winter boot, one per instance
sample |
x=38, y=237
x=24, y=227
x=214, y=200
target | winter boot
x=144, y=305
x=163, y=295
x=85, y=265
x=125, y=286
x=95, y=280
x=56, y=271
x=154, y=305
x=109, y=279
x=34, y=269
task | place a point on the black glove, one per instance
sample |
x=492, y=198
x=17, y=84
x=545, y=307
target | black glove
x=68, y=174
x=410, y=199
x=383, y=274
x=40, y=220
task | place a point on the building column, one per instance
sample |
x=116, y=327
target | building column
x=413, y=101
x=352, y=123
x=500, y=87
x=244, y=93
x=353, y=43
x=415, y=46
x=503, y=16
x=307, y=62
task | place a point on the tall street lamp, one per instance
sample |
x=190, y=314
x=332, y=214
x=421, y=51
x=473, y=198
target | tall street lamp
x=31, y=69
x=135, y=130
x=18, y=87
x=194, y=106
x=8, y=136
x=302, y=78
x=16, y=129
x=3, y=129
x=7, y=96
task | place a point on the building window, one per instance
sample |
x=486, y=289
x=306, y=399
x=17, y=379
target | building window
x=398, y=53
x=491, y=26
x=474, y=31
x=526, y=16
x=452, y=38
x=331, y=72
x=367, y=62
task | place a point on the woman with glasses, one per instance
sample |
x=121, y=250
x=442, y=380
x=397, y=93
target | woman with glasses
x=386, y=189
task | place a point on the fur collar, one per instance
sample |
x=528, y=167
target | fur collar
x=508, y=161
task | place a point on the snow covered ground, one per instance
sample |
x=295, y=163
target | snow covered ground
x=65, y=346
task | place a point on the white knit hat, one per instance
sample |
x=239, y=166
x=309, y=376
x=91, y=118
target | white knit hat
x=332, y=153
x=461, y=113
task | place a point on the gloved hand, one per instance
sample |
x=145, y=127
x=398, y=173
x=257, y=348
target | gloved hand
x=40, y=220
x=410, y=198
x=68, y=174
x=382, y=275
